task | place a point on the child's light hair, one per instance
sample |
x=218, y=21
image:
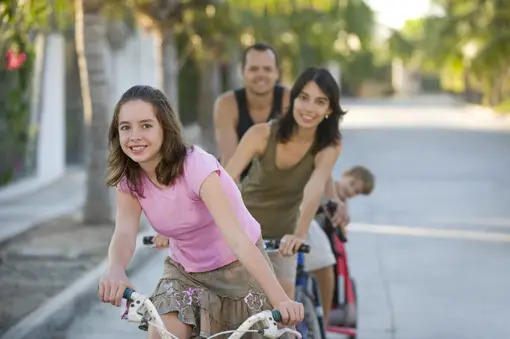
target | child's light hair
x=363, y=174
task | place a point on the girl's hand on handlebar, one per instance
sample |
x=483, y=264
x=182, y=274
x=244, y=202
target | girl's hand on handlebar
x=292, y=312
x=160, y=241
x=290, y=244
x=112, y=286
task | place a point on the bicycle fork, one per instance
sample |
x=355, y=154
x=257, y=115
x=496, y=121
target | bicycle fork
x=307, y=285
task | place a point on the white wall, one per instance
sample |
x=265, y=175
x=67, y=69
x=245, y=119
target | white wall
x=134, y=64
x=334, y=68
x=51, y=141
x=404, y=80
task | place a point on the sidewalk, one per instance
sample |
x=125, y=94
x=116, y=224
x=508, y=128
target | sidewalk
x=24, y=210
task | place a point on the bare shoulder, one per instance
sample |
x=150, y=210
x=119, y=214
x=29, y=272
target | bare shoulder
x=257, y=136
x=261, y=131
x=329, y=153
x=226, y=101
x=225, y=108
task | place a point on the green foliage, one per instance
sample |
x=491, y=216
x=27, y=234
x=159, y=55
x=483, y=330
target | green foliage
x=469, y=40
x=14, y=115
x=306, y=33
x=18, y=22
x=504, y=107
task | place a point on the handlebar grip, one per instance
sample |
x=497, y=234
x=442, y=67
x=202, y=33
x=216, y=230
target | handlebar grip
x=148, y=240
x=304, y=248
x=331, y=206
x=277, y=316
x=341, y=235
x=275, y=244
x=127, y=293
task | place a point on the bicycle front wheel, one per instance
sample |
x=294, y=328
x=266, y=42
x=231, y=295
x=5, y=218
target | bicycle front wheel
x=310, y=328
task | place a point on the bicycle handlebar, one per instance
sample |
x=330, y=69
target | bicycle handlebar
x=328, y=210
x=128, y=292
x=275, y=244
x=148, y=240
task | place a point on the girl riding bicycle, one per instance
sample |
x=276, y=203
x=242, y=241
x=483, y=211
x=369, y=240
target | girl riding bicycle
x=217, y=273
x=292, y=161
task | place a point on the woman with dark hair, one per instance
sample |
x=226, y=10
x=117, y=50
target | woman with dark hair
x=292, y=159
x=216, y=255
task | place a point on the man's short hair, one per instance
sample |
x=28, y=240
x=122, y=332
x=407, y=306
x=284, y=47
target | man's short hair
x=366, y=177
x=261, y=47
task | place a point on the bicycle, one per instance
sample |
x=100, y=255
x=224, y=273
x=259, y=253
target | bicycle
x=343, y=317
x=307, y=293
x=267, y=318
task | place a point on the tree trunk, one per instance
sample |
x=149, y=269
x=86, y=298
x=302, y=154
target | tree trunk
x=36, y=105
x=210, y=89
x=91, y=47
x=167, y=63
x=495, y=91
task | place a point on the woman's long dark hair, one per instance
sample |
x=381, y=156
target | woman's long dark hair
x=328, y=131
x=173, y=149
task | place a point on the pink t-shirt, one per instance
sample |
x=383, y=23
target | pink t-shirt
x=179, y=213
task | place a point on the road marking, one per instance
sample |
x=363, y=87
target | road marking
x=429, y=232
x=475, y=222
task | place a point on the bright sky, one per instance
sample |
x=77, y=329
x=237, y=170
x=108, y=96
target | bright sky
x=394, y=13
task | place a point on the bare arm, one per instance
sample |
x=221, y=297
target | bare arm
x=225, y=125
x=253, y=143
x=249, y=255
x=127, y=221
x=341, y=216
x=122, y=246
x=314, y=189
x=330, y=191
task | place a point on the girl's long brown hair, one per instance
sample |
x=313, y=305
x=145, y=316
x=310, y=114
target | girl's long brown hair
x=173, y=149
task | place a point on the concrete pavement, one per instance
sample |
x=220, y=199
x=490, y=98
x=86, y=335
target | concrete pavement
x=103, y=321
x=429, y=249
x=28, y=203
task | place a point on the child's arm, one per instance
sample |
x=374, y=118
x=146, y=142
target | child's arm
x=219, y=205
x=312, y=194
x=122, y=246
x=341, y=216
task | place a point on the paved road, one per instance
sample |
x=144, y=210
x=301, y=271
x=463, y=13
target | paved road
x=429, y=249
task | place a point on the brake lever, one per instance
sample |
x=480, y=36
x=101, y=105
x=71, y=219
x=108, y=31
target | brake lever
x=290, y=331
x=275, y=333
x=329, y=211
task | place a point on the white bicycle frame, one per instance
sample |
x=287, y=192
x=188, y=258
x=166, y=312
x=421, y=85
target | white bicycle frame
x=270, y=329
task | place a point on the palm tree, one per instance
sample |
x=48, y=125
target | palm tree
x=91, y=47
x=165, y=18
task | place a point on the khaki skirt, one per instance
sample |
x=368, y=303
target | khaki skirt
x=211, y=302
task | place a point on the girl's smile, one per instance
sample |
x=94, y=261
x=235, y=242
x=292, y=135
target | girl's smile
x=141, y=135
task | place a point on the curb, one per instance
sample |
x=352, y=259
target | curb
x=58, y=312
